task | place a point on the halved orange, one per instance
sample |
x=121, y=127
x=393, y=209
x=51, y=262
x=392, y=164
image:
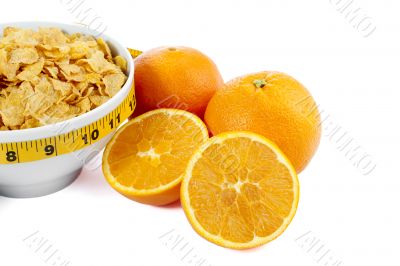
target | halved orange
x=147, y=157
x=239, y=190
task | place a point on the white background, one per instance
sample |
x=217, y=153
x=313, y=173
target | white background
x=349, y=214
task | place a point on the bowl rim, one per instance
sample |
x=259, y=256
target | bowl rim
x=85, y=119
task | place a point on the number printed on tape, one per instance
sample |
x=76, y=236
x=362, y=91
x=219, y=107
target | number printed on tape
x=28, y=151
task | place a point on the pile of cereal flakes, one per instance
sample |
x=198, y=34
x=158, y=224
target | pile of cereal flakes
x=47, y=76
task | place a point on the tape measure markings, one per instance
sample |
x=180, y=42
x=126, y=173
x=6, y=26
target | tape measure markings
x=74, y=140
x=28, y=151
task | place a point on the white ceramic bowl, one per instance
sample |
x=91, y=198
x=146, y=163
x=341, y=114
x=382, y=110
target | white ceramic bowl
x=46, y=176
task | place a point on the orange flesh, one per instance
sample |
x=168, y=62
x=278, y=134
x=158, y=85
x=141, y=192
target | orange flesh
x=239, y=190
x=154, y=151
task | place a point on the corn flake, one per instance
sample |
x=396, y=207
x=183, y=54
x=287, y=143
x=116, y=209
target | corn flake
x=48, y=76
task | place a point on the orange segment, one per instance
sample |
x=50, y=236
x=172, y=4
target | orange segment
x=239, y=190
x=147, y=157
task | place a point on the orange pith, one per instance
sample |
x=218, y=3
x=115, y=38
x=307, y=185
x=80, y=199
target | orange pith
x=239, y=190
x=146, y=159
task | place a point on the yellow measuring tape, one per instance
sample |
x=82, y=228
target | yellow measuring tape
x=28, y=151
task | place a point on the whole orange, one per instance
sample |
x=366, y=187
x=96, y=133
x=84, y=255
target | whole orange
x=175, y=77
x=272, y=104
